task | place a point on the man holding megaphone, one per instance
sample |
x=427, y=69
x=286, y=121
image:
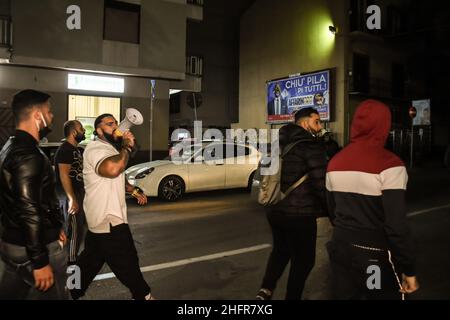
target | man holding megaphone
x=109, y=237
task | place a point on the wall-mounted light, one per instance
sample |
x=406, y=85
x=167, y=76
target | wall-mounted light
x=332, y=29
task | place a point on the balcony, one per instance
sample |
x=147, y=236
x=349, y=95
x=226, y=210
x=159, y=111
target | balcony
x=6, y=31
x=195, y=10
x=194, y=66
x=5, y=38
x=194, y=73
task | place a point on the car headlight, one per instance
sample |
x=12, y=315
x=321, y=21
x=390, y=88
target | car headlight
x=143, y=174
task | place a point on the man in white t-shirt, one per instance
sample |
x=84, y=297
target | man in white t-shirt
x=109, y=237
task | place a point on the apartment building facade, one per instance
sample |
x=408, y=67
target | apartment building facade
x=97, y=56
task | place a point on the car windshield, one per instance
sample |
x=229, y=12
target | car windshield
x=182, y=152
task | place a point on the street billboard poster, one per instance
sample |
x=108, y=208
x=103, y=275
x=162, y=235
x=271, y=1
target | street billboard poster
x=423, y=117
x=286, y=96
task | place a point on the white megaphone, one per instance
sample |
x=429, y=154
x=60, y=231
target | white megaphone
x=132, y=118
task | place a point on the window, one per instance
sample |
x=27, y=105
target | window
x=235, y=150
x=361, y=73
x=396, y=20
x=87, y=108
x=122, y=21
x=194, y=65
x=358, y=14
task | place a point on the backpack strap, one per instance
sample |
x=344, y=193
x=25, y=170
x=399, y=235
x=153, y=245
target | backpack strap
x=290, y=146
x=295, y=185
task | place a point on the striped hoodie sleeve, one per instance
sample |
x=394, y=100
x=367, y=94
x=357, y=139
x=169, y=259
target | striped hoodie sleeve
x=393, y=181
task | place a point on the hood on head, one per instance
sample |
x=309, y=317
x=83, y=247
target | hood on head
x=371, y=123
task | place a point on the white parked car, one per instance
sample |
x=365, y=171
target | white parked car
x=214, y=166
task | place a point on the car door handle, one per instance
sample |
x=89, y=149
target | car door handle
x=219, y=164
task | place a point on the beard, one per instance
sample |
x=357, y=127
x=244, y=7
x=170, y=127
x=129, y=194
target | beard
x=115, y=141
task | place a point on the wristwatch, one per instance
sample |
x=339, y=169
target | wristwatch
x=136, y=192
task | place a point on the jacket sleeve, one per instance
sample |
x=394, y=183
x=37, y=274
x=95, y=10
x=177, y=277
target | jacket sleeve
x=27, y=177
x=316, y=166
x=331, y=203
x=396, y=227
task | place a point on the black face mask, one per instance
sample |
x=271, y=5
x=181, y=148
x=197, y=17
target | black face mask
x=116, y=143
x=80, y=137
x=44, y=132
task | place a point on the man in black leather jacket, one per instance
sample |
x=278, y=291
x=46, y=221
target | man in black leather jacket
x=32, y=243
x=293, y=220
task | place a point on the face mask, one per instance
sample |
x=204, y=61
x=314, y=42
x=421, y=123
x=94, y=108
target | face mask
x=45, y=130
x=116, y=143
x=312, y=132
x=80, y=137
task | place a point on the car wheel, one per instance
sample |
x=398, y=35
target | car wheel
x=250, y=182
x=171, y=188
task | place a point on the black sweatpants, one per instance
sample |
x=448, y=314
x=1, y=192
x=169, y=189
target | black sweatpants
x=294, y=241
x=118, y=251
x=355, y=271
x=75, y=226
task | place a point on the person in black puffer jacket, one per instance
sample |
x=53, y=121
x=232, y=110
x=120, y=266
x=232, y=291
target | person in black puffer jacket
x=293, y=220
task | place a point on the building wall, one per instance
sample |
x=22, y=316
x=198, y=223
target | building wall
x=137, y=95
x=163, y=35
x=286, y=38
x=40, y=30
x=216, y=39
x=41, y=38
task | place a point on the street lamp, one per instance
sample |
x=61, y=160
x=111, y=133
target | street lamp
x=332, y=29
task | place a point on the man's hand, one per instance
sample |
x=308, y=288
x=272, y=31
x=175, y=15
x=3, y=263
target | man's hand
x=128, y=140
x=43, y=278
x=409, y=284
x=62, y=237
x=142, y=199
x=140, y=196
x=73, y=206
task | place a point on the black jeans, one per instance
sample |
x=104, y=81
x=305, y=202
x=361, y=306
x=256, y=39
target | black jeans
x=17, y=282
x=294, y=240
x=353, y=275
x=118, y=251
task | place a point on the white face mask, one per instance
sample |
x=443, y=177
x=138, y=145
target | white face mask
x=37, y=122
x=45, y=129
x=43, y=120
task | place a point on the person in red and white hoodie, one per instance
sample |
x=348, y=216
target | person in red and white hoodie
x=371, y=251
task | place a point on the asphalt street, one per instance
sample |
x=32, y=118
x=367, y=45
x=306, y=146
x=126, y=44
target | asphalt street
x=215, y=245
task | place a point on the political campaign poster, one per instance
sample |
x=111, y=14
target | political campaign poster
x=286, y=96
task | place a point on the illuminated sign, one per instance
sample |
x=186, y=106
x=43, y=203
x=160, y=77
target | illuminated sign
x=96, y=83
